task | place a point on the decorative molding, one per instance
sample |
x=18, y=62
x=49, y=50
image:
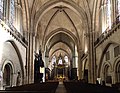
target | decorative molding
x=13, y=31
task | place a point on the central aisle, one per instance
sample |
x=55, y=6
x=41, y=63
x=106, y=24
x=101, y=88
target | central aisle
x=61, y=88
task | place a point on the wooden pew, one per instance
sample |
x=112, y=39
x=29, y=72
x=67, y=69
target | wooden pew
x=45, y=87
x=4, y=91
x=80, y=87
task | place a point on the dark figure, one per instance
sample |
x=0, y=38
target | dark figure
x=97, y=82
x=41, y=63
x=36, y=68
x=103, y=83
x=38, y=62
x=18, y=79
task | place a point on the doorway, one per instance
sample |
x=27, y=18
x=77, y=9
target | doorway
x=7, y=75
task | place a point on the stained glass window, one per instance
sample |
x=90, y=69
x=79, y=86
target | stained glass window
x=5, y=8
x=118, y=9
x=12, y=11
x=1, y=8
x=108, y=6
x=116, y=51
x=53, y=60
x=103, y=19
x=107, y=55
x=66, y=59
x=60, y=61
x=106, y=15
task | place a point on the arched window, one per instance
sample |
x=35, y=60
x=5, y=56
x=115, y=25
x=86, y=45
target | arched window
x=108, y=3
x=9, y=10
x=53, y=60
x=66, y=59
x=60, y=61
x=106, y=15
x=18, y=16
x=12, y=11
x=118, y=73
x=6, y=8
x=118, y=10
x=1, y=9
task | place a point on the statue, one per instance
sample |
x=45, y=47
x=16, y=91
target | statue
x=35, y=68
x=41, y=63
x=38, y=62
x=18, y=79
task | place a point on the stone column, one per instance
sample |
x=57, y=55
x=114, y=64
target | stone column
x=30, y=61
x=55, y=71
x=46, y=57
x=73, y=62
x=91, y=60
x=79, y=65
x=31, y=43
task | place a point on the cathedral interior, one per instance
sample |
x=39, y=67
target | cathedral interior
x=74, y=40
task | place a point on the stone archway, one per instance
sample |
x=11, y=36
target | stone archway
x=11, y=58
x=19, y=57
x=102, y=57
x=7, y=75
x=85, y=70
x=117, y=72
x=106, y=73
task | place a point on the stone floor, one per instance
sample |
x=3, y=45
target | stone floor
x=61, y=88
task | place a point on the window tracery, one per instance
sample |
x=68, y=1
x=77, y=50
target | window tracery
x=12, y=11
x=66, y=59
x=106, y=15
x=1, y=9
x=60, y=62
x=53, y=60
x=118, y=9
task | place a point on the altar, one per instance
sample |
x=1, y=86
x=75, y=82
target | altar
x=60, y=69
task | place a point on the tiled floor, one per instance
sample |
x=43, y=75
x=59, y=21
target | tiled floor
x=61, y=88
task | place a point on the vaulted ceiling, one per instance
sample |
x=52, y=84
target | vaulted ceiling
x=61, y=24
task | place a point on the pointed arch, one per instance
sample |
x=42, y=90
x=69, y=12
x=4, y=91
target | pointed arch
x=106, y=64
x=20, y=58
x=52, y=3
x=106, y=69
x=116, y=69
x=61, y=30
x=102, y=56
x=7, y=70
x=62, y=50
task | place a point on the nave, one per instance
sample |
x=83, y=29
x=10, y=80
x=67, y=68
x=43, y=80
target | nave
x=43, y=40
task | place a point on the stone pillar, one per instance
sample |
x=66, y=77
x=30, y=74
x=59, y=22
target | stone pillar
x=66, y=71
x=91, y=60
x=30, y=65
x=79, y=65
x=46, y=61
x=73, y=62
x=1, y=80
x=90, y=76
x=30, y=61
x=46, y=57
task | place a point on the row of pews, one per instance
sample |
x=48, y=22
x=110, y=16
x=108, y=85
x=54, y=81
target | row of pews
x=45, y=87
x=80, y=87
